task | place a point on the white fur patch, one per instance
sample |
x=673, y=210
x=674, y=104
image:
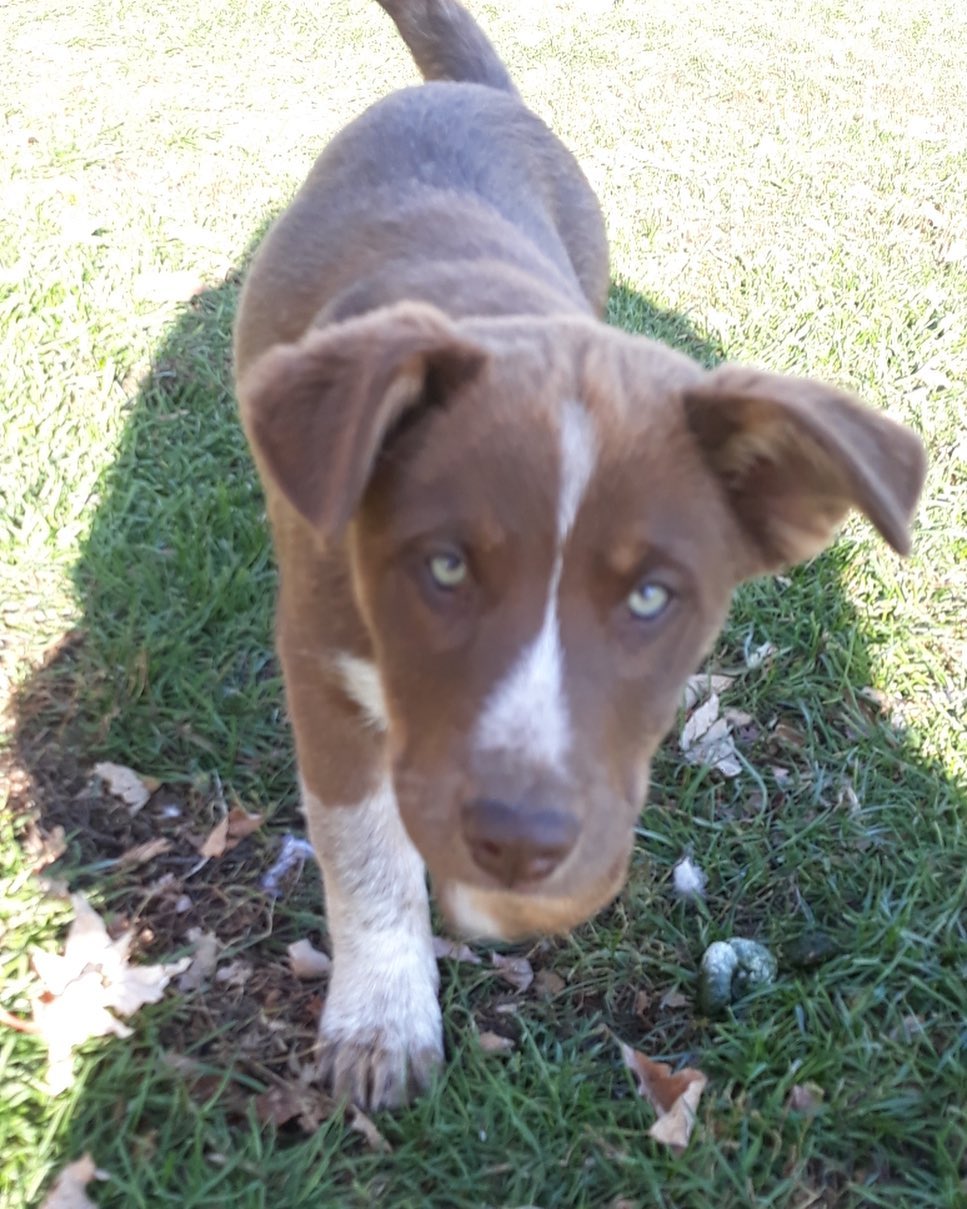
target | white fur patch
x=361, y=681
x=380, y=1025
x=528, y=711
x=467, y=914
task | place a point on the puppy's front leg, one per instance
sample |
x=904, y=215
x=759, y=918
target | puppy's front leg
x=380, y=1033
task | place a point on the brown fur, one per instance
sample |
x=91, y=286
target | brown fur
x=407, y=337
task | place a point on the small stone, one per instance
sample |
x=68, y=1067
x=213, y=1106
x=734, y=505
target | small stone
x=731, y=968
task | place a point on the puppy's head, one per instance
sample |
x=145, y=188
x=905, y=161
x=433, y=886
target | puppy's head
x=545, y=522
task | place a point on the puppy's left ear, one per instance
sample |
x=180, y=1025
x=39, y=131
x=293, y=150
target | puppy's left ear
x=794, y=456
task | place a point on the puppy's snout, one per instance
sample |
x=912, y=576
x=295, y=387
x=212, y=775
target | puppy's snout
x=516, y=844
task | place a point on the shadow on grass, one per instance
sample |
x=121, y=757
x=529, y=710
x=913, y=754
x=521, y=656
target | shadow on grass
x=172, y=672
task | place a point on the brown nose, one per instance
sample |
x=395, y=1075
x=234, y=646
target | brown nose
x=514, y=843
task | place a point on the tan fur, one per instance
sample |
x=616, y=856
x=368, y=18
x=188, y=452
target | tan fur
x=410, y=337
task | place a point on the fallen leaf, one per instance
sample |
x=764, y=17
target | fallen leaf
x=288, y=1101
x=68, y=1190
x=548, y=983
x=140, y=854
x=442, y=947
x=81, y=990
x=307, y=961
x=706, y=739
x=674, y=1095
x=514, y=970
x=202, y=962
x=805, y=1098
x=124, y=783
x=673, y=999
x=493, y=1043
x=229, y=832
x=642, y=1003
x=702, y=685
x=362, y=1124
x=788, y=736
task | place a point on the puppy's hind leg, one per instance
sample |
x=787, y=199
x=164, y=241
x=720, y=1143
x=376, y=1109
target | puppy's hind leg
x=380, y=1035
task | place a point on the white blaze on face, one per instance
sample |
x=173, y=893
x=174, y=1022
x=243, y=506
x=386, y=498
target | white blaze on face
x=528, y=711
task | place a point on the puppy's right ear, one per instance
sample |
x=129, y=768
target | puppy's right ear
x=317, y=412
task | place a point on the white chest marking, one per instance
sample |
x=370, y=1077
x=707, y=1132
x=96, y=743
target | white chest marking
x=528, y=711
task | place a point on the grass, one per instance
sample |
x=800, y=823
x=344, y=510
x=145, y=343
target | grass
x=783, y=185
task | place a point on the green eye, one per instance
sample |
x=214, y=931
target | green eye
x=448, y=570
x=648, y=600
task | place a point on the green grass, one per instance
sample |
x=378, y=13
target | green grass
x=783, y=184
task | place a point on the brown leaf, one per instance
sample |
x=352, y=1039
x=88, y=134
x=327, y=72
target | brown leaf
x=443, y=947
x=307, y=961
x=216, y=840
x=493, y=1043
x=286, y=1101
x=805, y=1098
x=124, y=783
x=673, y=999
x=229, y=832
x=514, y=970
x=674, y=1096
x=548, y=983
x=140, y=854
x=68, y=1190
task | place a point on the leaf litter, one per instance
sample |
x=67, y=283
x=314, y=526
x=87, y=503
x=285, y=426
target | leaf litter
x=83, y=991
x=674, y=1095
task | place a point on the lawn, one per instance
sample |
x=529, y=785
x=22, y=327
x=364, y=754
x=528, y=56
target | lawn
x=783, y=184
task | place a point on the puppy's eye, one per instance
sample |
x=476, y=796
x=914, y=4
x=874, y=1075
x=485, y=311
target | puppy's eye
x=648, y=600
x=448, y=570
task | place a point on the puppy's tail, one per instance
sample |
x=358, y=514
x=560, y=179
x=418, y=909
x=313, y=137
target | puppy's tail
x=447, y=43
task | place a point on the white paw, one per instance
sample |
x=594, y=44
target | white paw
x=381, y=1033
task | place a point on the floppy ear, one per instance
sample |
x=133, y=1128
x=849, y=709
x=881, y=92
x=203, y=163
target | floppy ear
x=317, y=412
x=795, y=456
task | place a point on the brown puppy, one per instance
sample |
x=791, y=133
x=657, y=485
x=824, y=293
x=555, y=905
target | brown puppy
x=506, y=532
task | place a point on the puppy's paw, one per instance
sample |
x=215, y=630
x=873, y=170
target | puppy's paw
x=381, y=1033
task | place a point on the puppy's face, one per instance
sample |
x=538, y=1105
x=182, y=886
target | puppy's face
x=541, y=562
x=544, y=539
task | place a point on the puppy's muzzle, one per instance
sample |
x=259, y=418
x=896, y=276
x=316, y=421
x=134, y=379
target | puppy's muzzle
x=517, y=845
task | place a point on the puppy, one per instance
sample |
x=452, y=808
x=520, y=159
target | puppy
x=506, y=533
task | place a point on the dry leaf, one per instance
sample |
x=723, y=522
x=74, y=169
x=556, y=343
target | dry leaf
x=140, y=854
x=673, y=999
x=515, y=970
x=706, y=739
x=126, y=784
x=493, y=1043
x=805, y=1098
x=674, y=1095
x=642, y=1003
x=548, y=984
x=44, y=847
x=68, y=1190
x=229, y=832
x=202, y=962
x=702, y=685
x=307, y=961
x=82, y=989
x=362, y=1124
x=235, y=974
x=442, y=947
x=294, y=1101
